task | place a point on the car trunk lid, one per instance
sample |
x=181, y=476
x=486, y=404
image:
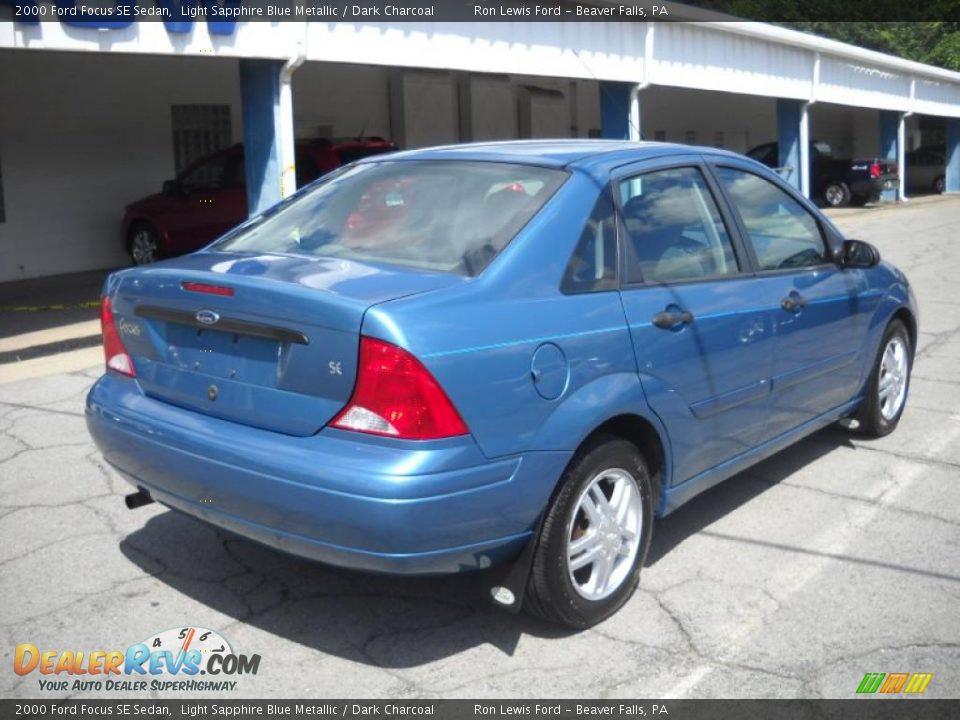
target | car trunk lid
x=264, y=340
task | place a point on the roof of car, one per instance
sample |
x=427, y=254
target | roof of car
x=588, y=154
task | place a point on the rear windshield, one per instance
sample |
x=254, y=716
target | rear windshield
x=451, y=216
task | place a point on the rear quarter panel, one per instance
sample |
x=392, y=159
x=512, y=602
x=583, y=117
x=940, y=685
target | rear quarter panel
x=479, y=340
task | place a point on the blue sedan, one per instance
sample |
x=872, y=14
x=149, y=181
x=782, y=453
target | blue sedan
x=513, y=354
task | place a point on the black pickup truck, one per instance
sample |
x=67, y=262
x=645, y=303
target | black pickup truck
x=838, y=182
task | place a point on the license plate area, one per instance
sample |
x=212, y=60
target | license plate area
x=223, y=354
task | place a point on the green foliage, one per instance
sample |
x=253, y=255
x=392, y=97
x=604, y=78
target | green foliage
x=927, y=31
x=933, y=42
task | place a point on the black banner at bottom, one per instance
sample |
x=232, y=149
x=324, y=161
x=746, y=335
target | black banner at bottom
x=859, y=709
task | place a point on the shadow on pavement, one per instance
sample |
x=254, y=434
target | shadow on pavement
x=713, y=504
x=380, y=620
x=384, y=620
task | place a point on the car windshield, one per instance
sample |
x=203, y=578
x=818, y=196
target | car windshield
x=450, y=216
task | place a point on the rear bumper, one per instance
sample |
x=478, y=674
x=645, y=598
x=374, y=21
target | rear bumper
x=873, y=187
x=360, y=502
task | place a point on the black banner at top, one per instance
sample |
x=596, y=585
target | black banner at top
x=783, y=11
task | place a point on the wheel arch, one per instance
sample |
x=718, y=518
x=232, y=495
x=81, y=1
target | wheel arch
x=642, y=433
x=904, y=314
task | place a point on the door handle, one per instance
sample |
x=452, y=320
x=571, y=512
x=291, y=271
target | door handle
x=667, y=319
x=794, y=302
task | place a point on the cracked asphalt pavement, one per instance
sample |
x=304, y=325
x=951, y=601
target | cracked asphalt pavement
x=837, y=557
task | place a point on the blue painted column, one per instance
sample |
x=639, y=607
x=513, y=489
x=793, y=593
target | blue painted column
x=889, y=143
x=615, y=110
x=953, y=155
x=790, y=115
x=260, y=96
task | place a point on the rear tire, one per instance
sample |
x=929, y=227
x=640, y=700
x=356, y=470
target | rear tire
x=595, y=536
x=836, y=194
x=889, y=383
x=940, y=185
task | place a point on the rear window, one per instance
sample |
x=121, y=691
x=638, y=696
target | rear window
x=348, y=155
x=450, y=216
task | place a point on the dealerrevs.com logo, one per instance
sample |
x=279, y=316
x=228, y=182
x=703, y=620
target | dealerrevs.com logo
x=169, y=661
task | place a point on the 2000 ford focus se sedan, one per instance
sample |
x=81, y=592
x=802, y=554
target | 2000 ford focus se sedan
x=515, y=354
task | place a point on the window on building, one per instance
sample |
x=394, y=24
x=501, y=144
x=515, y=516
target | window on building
x=660, y=135
x=199, y=130
x=719, y=139
x=3, y=214
x=690, y=137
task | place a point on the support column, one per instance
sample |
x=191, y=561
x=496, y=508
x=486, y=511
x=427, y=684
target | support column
x=902, y=156
x=793, y=143
x=615, y=110
x=263, y=132
x=953, y=155
x=889, y=145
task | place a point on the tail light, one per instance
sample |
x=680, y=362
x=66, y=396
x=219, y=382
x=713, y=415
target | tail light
x=117, y=357
x=875, y=170
x=397, y=396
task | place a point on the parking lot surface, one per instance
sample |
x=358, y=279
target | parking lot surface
x=837, y=557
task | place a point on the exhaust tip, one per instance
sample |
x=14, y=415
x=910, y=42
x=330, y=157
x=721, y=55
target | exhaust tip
x=138, y=499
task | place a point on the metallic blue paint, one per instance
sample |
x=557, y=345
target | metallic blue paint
x=532, y=371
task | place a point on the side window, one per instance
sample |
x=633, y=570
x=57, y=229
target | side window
x=766, y=154
x=673, y=228
x=208, y=175
x=593, y=265
x=782, y=232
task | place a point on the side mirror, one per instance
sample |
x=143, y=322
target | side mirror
x=858, y=254
x=171, y=188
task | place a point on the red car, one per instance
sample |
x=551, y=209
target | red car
x=210, y=197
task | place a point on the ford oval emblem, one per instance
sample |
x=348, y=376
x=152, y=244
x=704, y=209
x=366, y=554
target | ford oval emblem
x=207, y=317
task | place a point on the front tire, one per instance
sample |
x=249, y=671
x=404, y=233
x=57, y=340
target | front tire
x=143, y=244
x=889, y=384
x=595, y=536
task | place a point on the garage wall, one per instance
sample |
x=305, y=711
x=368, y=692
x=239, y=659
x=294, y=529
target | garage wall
x=341, y=100
x=850, y=132
x=716, y=119
x=82, y=135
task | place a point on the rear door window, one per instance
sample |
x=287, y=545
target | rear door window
x=674, y=230
x=593, y=266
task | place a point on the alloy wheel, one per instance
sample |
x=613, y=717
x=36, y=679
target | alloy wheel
x=603, y=534
x=143, y=247
x=833, y=195
x=892, y=384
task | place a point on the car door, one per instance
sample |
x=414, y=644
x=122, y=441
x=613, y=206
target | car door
x=816, y=309
x=212, y=200
x=702, y=342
